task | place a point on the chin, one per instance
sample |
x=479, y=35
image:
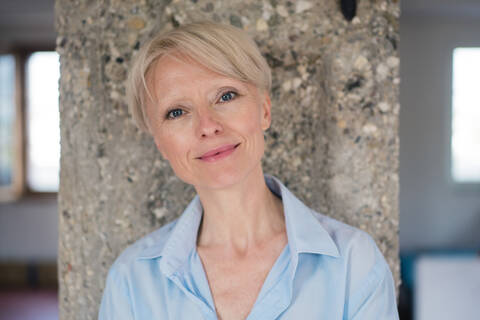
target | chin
x=220, y=178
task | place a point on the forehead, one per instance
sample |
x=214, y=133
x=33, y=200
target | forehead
x=174, y=70
x=175, y=76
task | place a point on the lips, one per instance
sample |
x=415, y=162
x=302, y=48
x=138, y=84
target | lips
x=218, y=153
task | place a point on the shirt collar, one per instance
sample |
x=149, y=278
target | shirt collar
x=304, y=231
x=181, y=241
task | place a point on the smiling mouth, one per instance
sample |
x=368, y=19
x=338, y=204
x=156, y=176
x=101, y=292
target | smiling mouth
x=218, y=153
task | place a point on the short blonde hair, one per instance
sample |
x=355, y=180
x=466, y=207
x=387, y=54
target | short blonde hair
x=221, y=48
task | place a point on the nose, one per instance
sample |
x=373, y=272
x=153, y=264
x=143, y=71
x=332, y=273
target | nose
x=208, y=124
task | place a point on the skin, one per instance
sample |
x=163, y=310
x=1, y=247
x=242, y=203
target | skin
x=243, y=230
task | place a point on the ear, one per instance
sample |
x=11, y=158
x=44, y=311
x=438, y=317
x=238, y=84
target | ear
x=266, y=116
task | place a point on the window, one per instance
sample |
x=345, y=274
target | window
x=29, y=124
x=42, y=122
x=7, y=126
x=465, y=144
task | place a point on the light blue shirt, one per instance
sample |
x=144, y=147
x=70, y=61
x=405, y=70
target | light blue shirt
x=328, y=270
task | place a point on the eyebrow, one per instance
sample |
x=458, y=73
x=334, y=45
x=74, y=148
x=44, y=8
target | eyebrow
x=172, y=98
x=226, y=89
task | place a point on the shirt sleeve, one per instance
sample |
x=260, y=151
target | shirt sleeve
x=116, y=302
x=375, y=298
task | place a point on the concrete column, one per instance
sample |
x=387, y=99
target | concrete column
x=333, y=139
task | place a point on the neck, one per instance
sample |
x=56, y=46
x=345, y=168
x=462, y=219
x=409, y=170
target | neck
x=241, y=216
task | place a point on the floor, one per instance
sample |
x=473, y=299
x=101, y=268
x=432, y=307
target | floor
x=29, y=305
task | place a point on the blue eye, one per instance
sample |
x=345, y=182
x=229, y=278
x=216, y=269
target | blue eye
x=227, y=96
x=175, y=113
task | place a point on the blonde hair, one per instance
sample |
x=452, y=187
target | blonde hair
x=221, y=48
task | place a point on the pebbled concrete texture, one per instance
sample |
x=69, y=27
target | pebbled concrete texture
x=333, y=141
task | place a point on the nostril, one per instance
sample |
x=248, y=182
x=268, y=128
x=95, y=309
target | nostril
x=209, y=128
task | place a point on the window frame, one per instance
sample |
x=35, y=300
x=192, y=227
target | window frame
x=19, y=187
x=457, y=186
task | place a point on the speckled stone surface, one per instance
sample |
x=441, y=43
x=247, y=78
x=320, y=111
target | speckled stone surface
x=333, y=140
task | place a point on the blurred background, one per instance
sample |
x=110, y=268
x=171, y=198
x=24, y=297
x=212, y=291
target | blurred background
x=439, y=159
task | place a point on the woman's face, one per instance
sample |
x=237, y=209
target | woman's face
x=208, y=126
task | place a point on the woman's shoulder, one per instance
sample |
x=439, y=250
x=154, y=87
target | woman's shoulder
x=371, y=288
x=356, y=247
x=345, y=236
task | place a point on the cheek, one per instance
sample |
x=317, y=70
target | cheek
x=250, y=121
x=170, y=144
x=252, y=129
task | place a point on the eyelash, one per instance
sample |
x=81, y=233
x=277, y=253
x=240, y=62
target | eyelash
x=233, y=93
x=169, y=113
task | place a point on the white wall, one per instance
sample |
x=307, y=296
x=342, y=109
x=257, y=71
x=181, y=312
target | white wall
x=29, y=230
x=434, y=213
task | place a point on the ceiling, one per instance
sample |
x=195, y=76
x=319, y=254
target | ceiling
x=26, y=23
x=26, y=12
x=441, y=8
x=30, y=22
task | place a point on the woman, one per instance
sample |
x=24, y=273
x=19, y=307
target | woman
x=245, y=247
